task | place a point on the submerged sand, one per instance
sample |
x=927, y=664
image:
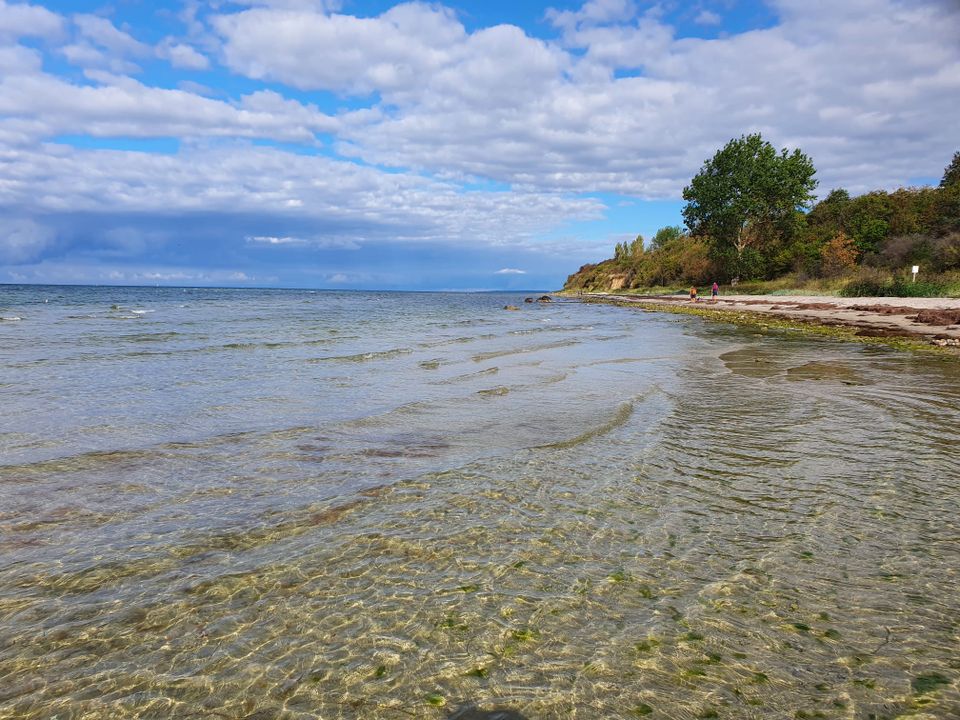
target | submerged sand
x=933, y=319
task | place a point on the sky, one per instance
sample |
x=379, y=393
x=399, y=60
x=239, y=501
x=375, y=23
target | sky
x=462, y=145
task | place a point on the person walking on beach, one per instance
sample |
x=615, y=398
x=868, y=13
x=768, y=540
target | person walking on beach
x=693, y=294
x=714, y=291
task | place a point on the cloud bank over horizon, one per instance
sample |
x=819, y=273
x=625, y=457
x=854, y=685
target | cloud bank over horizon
x=424, y=145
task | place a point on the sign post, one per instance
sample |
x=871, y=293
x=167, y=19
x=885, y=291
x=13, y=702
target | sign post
x=916, y=269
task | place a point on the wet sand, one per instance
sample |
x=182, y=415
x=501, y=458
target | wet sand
x=936, y=320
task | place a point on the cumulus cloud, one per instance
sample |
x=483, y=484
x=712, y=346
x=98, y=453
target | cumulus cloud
x=615, y=102
x=24, y=20
x=706, y=17
x=23, y=240
x=181, y=55
x=101, y=32
x=121, y=106
x=340, y=203
x=841, y=81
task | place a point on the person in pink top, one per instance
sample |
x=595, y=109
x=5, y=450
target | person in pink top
x=714, y=291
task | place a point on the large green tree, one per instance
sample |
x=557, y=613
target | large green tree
x=747, y=197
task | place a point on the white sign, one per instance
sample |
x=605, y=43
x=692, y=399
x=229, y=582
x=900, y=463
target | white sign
x=916, y=269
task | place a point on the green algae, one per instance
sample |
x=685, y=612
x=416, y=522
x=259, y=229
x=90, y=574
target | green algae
x=766, y=322
x=641, y=710
x=928, y=682
x=525, y=634
x=435, y=699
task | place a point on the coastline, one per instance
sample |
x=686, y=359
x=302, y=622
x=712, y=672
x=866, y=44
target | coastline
x=931, y=324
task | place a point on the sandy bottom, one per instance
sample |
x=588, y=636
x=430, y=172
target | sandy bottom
x=937, y=319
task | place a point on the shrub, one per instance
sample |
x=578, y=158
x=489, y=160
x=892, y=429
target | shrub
x=898, y=287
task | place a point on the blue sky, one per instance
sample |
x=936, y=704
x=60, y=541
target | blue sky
x=460, y=145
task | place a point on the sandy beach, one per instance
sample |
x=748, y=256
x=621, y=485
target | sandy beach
x=934, y=319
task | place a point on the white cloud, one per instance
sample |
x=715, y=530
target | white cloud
x=616, y=102
x=121, y=106
x=510, y=271
x=706, y=17
x=341, y=204
x=24, y=20
x=103, y=33
x=845, y=81
x=301, y=242
x=594, y=12
x=182, y=56
x=340, y=52
x=271, y=240
x=315, y=5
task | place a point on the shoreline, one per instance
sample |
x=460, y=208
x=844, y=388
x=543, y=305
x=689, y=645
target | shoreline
x=931, y=324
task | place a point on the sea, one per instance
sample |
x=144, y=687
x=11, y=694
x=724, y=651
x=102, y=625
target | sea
x=293, y=504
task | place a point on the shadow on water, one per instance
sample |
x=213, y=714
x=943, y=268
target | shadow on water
x=472, y=712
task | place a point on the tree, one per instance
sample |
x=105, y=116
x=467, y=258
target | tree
x=620, y=251
x=951, y=176
x=839, y=255
x=665, y=235
x=748, y=195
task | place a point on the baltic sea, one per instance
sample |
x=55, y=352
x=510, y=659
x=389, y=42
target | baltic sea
x=313, y=504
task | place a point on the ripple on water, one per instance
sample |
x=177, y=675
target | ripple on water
x=618, y=536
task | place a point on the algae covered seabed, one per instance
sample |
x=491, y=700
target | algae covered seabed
x=354, y=506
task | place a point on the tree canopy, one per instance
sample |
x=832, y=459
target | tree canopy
x=951, y=175
x=748, y=195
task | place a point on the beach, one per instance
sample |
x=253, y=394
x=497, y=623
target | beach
x=933, y=320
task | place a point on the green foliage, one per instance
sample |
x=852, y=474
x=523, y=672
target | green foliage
x=665, y=235
x=894, y=288
x=951, y=175
x=745, y=214
x=747, y=196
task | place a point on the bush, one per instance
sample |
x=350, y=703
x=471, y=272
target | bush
x=897, y=287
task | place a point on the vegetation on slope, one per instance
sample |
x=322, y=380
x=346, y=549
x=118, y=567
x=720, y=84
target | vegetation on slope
x=751, y=221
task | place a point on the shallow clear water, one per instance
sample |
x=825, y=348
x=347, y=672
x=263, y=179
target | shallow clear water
x=292, y=504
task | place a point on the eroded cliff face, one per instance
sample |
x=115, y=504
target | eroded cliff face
x=606, y=276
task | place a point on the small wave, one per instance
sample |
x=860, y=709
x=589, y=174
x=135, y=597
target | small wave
x=470, y=376
x=150, y=337
x=451, y=341
x=10, y=318
x=527, y=349
x=620, y=418
x=494, y=392
x=364, y=357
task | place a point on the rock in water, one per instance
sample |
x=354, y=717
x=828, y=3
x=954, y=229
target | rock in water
x=545, y=298
x=510, y=307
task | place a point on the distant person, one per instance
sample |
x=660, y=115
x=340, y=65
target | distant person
x=693, y=294
x=714, y=291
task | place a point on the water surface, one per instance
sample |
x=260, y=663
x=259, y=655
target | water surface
x=292, y=504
